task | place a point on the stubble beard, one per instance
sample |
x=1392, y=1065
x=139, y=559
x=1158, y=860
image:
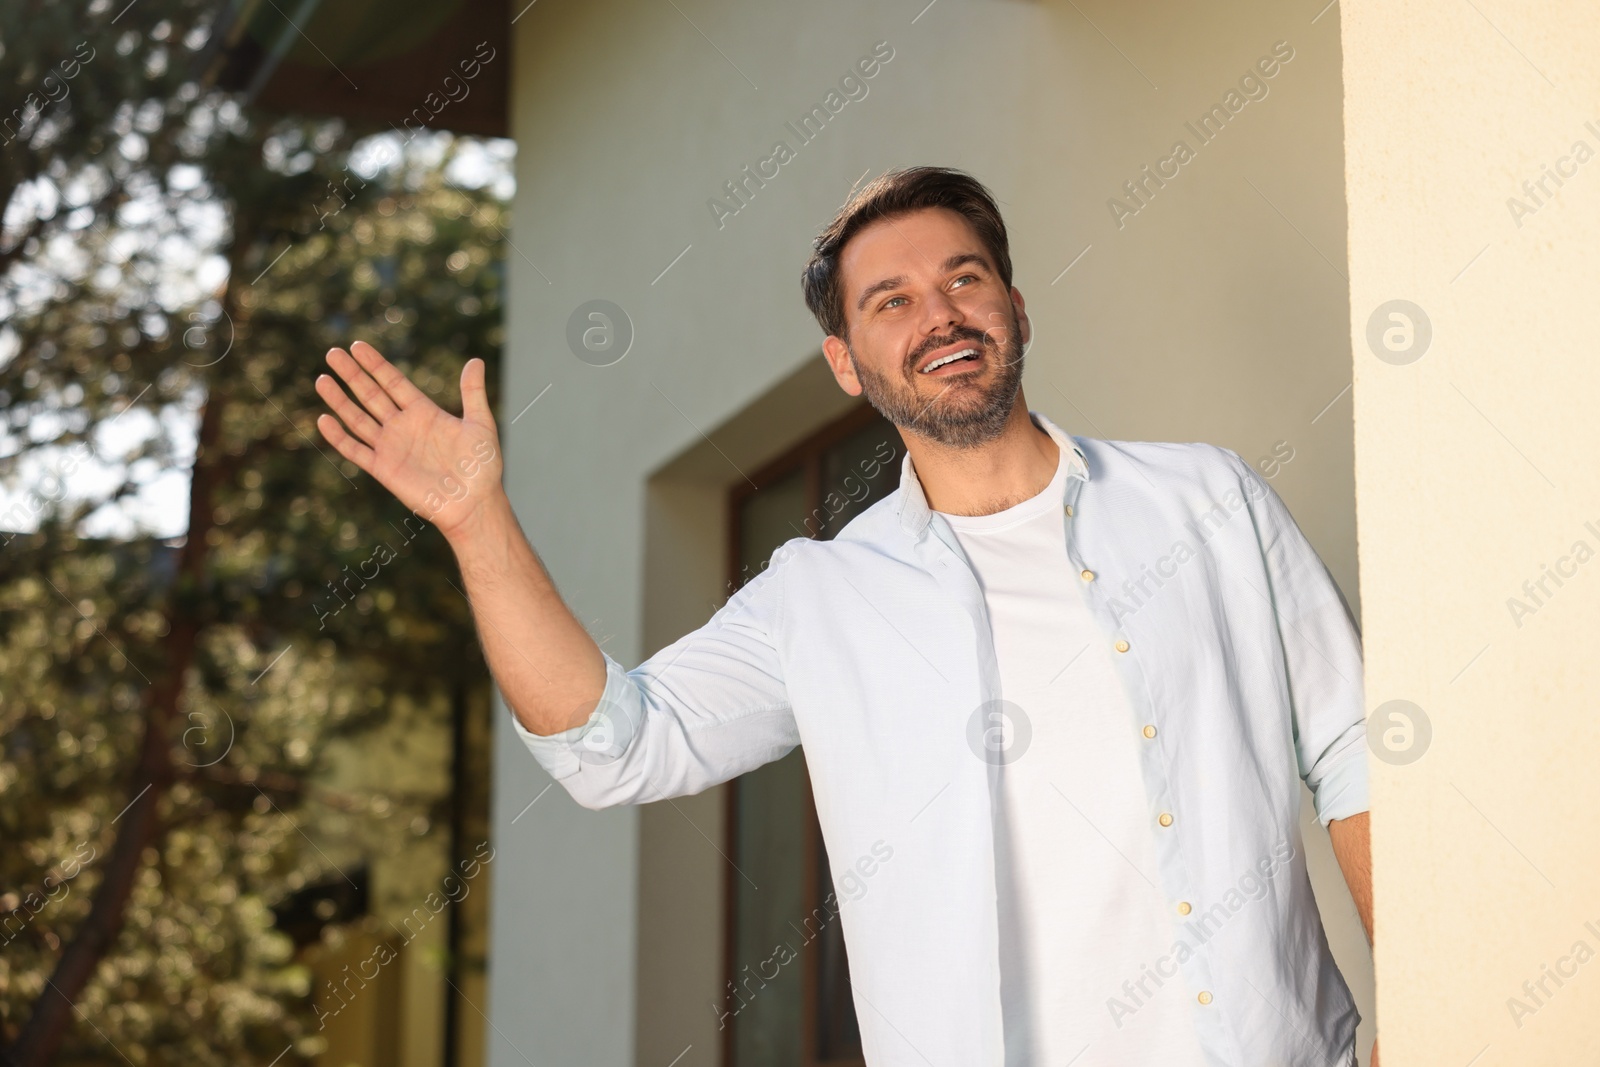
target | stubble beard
x=953, y=421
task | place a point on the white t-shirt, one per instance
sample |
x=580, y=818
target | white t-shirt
x=1080, y=913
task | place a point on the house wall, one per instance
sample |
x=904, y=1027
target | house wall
x=1477, y=475
x=1214, y=308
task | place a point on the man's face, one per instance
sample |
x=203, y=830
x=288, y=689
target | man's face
x=920, y=288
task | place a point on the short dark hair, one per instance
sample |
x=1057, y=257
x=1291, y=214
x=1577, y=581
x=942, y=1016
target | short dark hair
x=891, y=195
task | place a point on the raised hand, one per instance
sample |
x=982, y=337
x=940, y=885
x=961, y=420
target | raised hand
x=441, y=467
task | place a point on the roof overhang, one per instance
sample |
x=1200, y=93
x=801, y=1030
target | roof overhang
x=439, y=64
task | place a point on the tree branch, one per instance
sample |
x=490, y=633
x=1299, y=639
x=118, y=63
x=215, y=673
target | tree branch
x=153, y=773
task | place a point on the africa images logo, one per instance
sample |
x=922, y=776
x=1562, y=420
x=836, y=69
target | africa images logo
x=806, y=129
x=1253, y=885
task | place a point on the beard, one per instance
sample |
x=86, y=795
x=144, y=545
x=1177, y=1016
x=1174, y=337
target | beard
x=961, y=412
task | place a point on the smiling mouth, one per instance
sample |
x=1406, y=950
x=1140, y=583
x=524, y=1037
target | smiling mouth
x=954, y=362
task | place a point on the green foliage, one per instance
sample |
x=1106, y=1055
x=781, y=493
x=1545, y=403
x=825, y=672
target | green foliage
x=302, y=639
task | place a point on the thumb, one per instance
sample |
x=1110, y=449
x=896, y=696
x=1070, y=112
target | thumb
x=475, y=393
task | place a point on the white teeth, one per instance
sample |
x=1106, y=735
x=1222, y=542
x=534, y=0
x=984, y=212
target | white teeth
x=950, y=359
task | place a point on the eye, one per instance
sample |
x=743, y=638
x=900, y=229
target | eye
x=964, y=277
x=889, y=303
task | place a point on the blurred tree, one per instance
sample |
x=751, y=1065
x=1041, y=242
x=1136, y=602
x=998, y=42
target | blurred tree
x=172, y=269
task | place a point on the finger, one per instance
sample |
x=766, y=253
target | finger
x=361, y=424
x=344, y=444
x=475, y=393
x=397, y=385
x=363, y=385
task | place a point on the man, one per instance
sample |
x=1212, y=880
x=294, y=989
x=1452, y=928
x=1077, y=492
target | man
x=1062, y=690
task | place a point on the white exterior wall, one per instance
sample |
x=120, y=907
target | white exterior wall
x=1217, y=312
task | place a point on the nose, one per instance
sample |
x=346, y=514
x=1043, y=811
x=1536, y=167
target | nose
x=940, y=314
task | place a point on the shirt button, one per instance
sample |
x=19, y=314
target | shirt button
x=1069, y=511
x=1205, y=997
x=1086, y=575
x=1149, y=731
x=1183, y=907
x=1165, y=819
x=1122, y=646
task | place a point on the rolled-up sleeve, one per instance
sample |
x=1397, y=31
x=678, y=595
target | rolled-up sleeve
x=1322, y=658
x=706, y=708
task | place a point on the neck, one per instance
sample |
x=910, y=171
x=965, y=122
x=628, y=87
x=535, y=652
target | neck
x=1013, y=467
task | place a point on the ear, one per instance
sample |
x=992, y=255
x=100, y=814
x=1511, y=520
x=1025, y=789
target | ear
x=1024, y=326
x=837, y=353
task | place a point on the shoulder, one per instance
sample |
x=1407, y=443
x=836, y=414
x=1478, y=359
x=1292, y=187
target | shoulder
x=874, y=524
x=872, y=536
x=1163, y=465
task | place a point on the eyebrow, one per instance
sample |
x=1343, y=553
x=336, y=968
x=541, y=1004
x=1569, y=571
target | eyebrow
x=898, y=280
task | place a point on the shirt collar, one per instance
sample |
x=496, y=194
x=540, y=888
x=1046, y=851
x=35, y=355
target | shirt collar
x=914, y=511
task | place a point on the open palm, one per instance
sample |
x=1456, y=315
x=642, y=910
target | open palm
x=441, y=467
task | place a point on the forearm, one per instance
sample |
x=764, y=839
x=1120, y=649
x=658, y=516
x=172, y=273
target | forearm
x=1352, y=847
x=549, y=669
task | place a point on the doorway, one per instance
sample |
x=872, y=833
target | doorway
x=788, y=977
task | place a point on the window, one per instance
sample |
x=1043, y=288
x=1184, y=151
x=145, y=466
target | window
x=788, y=980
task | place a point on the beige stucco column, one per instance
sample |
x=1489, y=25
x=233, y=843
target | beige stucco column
x=1473, y=162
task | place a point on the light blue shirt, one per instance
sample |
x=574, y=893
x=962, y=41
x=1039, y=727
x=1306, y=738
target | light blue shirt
x=1240, y=658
